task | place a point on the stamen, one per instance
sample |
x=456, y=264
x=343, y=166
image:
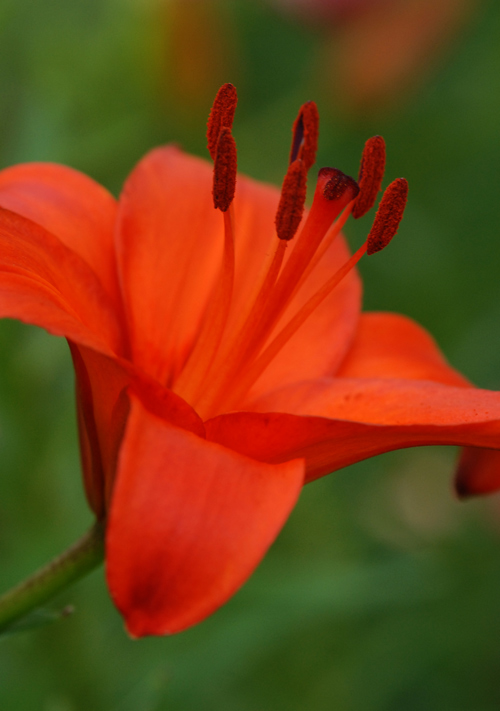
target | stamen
x=323, y=212
x=223, y=366
x=325, y=245
x=225, y=167
x=226, y=363
x=221, y=115
x=305, y=135
x=281, y=339
x=385, y=226
x=293, y=197
x=371, y=173
x=266, y=313
x=193, y=375
x=389, y=215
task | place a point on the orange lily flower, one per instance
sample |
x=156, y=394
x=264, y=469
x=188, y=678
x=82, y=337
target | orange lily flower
x=219, y=367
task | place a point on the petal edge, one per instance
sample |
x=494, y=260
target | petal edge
x=181, y=541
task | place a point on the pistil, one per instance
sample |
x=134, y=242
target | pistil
x=385, y=226
x=223, y=367
x=334, y=191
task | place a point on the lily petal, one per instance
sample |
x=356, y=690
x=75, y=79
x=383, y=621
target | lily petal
x=189, y=522
x=103, y=407
x=478, y=472
x=170, y=249
x=334, y=423
x=386, y=402
x=46, y=284
x=70, y=205
x=169, y=245
x=389, y=345
x=393, y=346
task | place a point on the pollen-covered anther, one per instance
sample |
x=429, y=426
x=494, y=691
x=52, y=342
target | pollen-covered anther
x=339, y=185
x=221, y=115
x=389, y=215
x=371, y=173
x=291, y=204
x=225, y=167
x=305, y=132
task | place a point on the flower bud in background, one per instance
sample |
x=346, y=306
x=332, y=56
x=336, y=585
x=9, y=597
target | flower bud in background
x=376, y=50
x=198, y=52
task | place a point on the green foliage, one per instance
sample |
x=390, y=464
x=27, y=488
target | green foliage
x=38, y=618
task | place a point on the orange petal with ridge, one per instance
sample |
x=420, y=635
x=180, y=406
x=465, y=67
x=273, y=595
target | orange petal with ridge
x=43, y=282
x=169, y=242
x=189, y=522
x=335, y=422
x=70, y=205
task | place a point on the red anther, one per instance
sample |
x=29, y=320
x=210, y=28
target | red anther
x=225, y=166
x=221, y=115
x=293, y=197
x=339, y=185
x=389, y=215
x=371, y=172
x=305, y=135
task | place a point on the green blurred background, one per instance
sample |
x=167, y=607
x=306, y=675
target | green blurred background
x=383, y=592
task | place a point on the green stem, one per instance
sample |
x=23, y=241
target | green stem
x=83, y=556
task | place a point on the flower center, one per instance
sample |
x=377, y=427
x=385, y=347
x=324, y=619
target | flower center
x=222, y=367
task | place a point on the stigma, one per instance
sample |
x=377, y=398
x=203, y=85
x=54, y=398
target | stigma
x=225, y=363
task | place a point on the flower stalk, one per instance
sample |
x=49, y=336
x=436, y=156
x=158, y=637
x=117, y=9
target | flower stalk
x=71, y=565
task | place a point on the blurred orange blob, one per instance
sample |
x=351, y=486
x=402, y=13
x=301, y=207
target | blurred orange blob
x=198, y=51
x=376, y=49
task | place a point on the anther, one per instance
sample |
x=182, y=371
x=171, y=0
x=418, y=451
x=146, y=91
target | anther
x=221, y=115
x=225, y=166
x=293, y=197
x=305, y=132
x=338, y=185
x=371, y=172
x=389, y=215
